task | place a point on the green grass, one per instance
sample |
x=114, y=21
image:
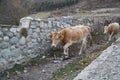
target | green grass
x=86, y=14
x=72, y=69
x=81, y=14
x=41, y=15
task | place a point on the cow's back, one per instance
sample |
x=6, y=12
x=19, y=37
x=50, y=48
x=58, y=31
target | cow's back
x=74, y=34
x=114, y=27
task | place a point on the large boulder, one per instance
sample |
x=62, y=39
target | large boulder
x=6, y=38
x=4, y=45
x=10, y=34
x=13, y=30
x=5, y=53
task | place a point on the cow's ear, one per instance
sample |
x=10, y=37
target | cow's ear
x=106, y=27
x=50, y=36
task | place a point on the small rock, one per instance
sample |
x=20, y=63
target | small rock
x=39, y=40
x=4, y=45
x=6, y=38
x=33, y=26
x=5, y=29
x=36, y=64
x=35, y=35
x=14, y=40
x=56, y=61
x=25, y=71
x=24, y=52
x=18, y=35
x=16, y=53
x=22, y=41
x=1, y=34
x=13, y=30
x=10, y=34
x=34, y=40
x=12, y=47
x=8, y=74
x=37, y=30
x=1, y=39
x=3, y=61
x=30, y=31
x=17, y=45
x=14, y=26
x=43, y=71
x=29, y=38
x=43, y=57
x=29, y=51
x=18, y=29
x=18, y=72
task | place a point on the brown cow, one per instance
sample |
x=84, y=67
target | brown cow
x=111, y=29
x=71, y=35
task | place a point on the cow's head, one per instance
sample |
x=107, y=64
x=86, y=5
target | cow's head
x=56, y=38
x=105, y=29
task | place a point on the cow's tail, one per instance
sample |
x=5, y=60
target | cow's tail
x=91, y=39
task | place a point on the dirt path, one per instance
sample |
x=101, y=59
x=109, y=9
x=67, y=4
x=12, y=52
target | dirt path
x=41, y=72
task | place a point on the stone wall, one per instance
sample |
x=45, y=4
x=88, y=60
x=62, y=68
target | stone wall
x=15, y=49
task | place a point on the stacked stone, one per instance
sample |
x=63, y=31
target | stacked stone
x=10, y=46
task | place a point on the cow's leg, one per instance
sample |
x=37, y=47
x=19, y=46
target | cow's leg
x=111, y=36
x=66, y=49
x=83, y=46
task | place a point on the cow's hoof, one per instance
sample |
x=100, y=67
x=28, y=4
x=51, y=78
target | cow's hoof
x=66, y=58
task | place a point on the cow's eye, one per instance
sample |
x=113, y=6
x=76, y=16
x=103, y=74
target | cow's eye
x=57, y=38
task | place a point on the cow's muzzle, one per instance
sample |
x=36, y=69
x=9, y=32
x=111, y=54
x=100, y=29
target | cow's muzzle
x=53, y=45
x=105, y=32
